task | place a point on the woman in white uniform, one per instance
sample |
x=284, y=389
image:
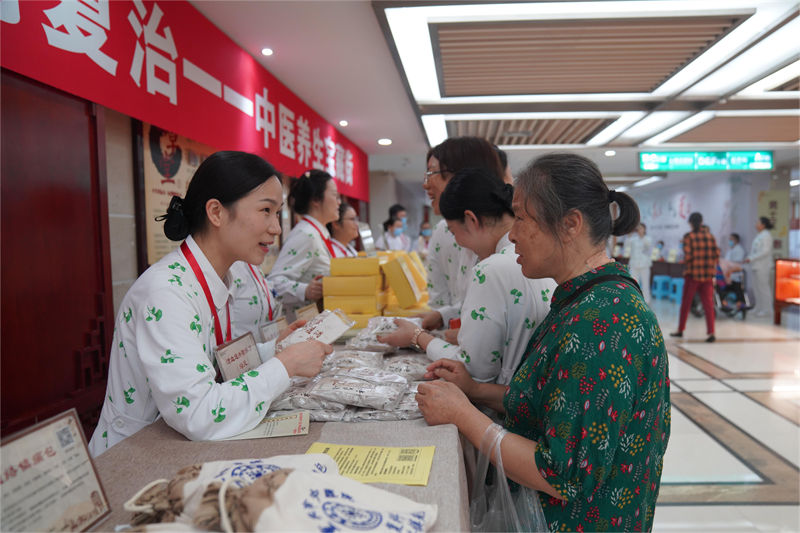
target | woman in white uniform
x=305, y=257
x=501, y=307
x=344, y=231
x=449, y=265
x=175, y=315
x=639, y=249
x=761, y=263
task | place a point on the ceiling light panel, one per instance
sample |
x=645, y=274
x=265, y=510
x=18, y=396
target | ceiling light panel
x=651, y=124
x=782, y=80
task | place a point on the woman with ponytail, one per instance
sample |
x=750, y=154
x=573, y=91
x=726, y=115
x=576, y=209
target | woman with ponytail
x=178, y=312
x=501, y=306
x=306, y=255
x=587, y=413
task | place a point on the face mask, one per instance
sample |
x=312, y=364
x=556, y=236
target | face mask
x=397, y=232
x=426, y=232
x=731, y=244
x=659, y=246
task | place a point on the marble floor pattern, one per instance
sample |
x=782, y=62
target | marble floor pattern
x=733, y=461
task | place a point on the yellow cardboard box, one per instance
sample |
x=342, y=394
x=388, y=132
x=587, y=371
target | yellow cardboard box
x=357, y=304
x=400, y=278
x=355, y=266
x=352, y=285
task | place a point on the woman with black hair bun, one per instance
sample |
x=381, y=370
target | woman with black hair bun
x=761, y=263
x=501, y=306
x=344, y=231
x=587, y=413
x=177, y=313
x=306, y=255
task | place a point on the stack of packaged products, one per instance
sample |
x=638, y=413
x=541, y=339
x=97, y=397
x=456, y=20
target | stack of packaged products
x=365, y=381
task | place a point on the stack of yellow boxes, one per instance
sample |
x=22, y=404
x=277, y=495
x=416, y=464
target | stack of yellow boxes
x=357, y=287
x=407, y=282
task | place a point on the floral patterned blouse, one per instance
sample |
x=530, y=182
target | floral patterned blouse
x=593, y=392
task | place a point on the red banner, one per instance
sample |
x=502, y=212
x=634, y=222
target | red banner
x=164, y=63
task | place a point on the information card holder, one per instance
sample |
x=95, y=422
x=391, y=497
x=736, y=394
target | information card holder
x=49, y=482
x=236, y=357
x=272, y=330
x=307, y=312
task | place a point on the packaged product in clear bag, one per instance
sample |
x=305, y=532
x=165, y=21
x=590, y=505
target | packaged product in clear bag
x=493, y=507
x=367, y=338
x=283, y=402
x=325, y=327
x=412, y=366
x=358, y=391
x=352, y=358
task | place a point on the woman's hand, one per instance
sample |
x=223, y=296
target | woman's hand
x=401, y=336
x=442, y=402
x=314, y=289
x=451, y=336
x=431, y=320
x=293, y=326
x=304, y=358
x=453, y=371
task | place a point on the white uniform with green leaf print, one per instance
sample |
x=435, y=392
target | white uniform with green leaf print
x=250, y=304
x=162, y=361
x=449, y=272
x=303, y=257
x=500, y=313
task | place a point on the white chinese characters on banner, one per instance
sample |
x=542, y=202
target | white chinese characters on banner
x=286, y=138
x=157, y=64
x=84, y=32
x=265, y=116
x=303, y=142
x=318, y=150
x=330, y=156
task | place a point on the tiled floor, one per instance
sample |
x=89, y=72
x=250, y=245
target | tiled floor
x=733, y=461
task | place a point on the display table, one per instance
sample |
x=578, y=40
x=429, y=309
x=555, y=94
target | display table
x=158, y=451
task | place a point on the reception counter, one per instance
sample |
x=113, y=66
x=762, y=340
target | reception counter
x=158, y=451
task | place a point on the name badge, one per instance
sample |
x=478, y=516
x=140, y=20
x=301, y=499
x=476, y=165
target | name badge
x=273, y=328
x=307, y=312
x=237, y=356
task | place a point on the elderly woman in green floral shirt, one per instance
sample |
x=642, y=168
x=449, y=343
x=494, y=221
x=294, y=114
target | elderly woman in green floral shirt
x=588, y=410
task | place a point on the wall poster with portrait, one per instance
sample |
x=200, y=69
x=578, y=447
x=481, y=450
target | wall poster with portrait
x=168, y=162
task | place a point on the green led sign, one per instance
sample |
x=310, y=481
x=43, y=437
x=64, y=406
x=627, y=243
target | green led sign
x=699, y=161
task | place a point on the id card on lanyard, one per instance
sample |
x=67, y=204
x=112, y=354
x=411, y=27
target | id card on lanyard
x=326, y=240
x=237, y=356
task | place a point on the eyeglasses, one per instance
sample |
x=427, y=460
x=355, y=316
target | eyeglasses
x=430, y=173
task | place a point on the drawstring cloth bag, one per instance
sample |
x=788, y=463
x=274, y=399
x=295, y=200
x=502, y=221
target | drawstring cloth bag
x=293, y=492
x=493, y=507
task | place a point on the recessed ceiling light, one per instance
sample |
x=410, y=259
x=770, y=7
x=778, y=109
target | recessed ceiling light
x=384, y=142
x=266, y=52
x=611, y=153
x=343, y=123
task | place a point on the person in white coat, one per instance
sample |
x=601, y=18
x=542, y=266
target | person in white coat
x=344, y=231
x=761, y=263
x=171, y=321
x=305, y=257
x=449, y=264
x=639, y=249
x=393, y=237
x=502, y=307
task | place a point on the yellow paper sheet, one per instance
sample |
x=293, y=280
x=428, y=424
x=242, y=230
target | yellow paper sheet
x=409, y=465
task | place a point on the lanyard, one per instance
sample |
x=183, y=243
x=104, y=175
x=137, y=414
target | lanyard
x=202, y=279
x=325, y=240
x=339, y=246
x=263, y=283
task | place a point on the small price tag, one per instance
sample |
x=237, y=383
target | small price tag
x=237, y=356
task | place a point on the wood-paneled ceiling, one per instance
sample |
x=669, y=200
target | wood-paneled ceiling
x=520, y=132
x=573, y=56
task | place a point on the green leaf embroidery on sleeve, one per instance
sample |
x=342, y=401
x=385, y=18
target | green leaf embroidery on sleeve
x=110, y=399
x=545, y=293
x=517, y=294
x=308, y=254
x=122, y=347
x=253, y=300
x=437, y=248
x=252, y=373
x=105, y=436
x=176, y=279
x=464, y=356
x=169, y=357
x=239, y=382
x=129, y=394
x=496, y=356
x=447, y=277
x=180, y=403
x=177, y=266
x=153, y=314
x=478, y=314
x=238, y=283
x=260, y=407
x=201, y=368
x=195, y=326
x=446, y=345
x=481, y=276
x=217, y=413
x=127, y=315
x=463, y=269
x=292, y=252
x=529, y=324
